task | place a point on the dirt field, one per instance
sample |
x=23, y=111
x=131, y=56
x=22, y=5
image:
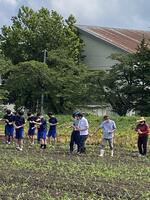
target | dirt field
x=35, y=174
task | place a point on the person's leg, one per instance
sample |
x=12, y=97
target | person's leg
x=102, y=147
x=78, y=140
x=145, y=139
x=84, y=140
x=140, y=145
x=110, y=141
x=71, y=142
x=81, y=144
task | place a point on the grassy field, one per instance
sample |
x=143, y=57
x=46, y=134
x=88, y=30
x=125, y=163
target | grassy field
x=53, y=174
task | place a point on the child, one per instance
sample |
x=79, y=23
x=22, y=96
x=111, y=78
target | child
x=31, y=131
x=42, y=130
x=52, y=129
x=9, y=126
x=19, y=126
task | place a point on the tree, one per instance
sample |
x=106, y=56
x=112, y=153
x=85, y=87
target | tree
x=26, y=83
x=142, y=79
x=32, y=32
x=5, y=68
x=127, y=85
x=69, y=81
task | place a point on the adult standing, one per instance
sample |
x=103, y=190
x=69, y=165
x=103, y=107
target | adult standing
x=142, y=130
x=75, y=135
x=108, y=126
x=83, y=128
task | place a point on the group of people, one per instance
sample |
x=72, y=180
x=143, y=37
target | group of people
x=15, y=123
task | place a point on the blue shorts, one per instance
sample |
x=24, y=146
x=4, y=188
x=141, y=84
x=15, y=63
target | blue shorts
x=9, y=130
x=41, y=135
x=52, y=133
x=19, y=133
x=31, y=131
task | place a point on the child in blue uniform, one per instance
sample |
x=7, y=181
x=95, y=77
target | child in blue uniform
x=42, y=130
x=52, y=129
x=19, y=127
x=31, y=131
x=9, y=126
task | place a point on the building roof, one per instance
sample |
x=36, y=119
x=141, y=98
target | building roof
x=126, y=39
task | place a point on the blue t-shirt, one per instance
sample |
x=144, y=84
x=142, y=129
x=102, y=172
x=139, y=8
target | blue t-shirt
x=10, y=118
x=52, y=120
x=43, y=126
x=19, y=120
x=108, y=126
x=31, y=120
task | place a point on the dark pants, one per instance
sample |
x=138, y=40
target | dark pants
x=142, y=144
x=83, y=139
x=75, y=138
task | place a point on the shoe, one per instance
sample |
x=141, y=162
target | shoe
x=140, y=155
x=101, y=153
x=32, y=143
x=17, y=147
x=112, y=153
x=20, y=149
x=8, y=142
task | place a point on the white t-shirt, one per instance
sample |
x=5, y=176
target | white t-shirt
x=83, y=124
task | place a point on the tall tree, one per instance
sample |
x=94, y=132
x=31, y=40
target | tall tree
x=142, y=79
x=32, y=32
x=27, y=82
x=127, y=85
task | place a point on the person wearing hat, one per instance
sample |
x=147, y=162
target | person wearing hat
x=142, y=130
x=75, y=135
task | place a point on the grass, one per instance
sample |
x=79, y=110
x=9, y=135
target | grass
x=53, y=174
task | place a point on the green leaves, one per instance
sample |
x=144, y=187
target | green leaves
x=128, y=82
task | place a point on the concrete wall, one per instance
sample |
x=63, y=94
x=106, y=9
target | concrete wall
x=97, y=52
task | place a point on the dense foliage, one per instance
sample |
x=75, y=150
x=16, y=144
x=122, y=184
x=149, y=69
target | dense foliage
x=40, y=36
x=127, y=85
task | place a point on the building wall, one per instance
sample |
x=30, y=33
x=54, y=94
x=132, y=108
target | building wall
x=97, y=52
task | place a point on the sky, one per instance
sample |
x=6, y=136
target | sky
x=134, y=14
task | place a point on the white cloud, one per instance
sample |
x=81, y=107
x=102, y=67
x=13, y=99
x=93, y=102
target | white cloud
x=110, y=13
x=9, y=2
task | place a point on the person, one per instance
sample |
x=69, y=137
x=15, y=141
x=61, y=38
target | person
x=9, y=126
x=52, y=129
x=108, y=126
x=83, y=129
x=75, y=135
x=31, y=131
x=19, y=124
x=42, y=130
x=142, y=130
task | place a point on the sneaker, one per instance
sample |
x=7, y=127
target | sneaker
x=100, y=155
x=112, y=154
x=17, y=147
x=20, y=149
x=8, y=142
x=32, y=143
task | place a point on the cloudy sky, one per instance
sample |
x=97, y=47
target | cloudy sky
x=109, y=13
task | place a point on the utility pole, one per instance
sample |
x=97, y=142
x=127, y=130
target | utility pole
x=42, y=95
